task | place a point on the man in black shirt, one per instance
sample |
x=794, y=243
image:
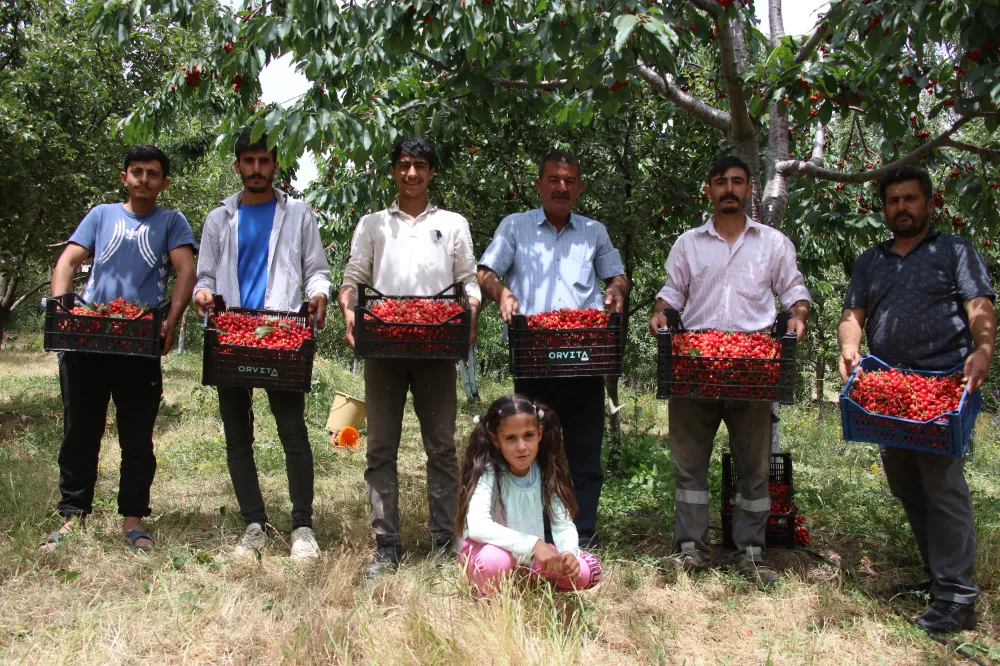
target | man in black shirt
x=925, y=301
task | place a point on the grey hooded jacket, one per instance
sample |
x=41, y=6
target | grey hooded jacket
x=295, y=256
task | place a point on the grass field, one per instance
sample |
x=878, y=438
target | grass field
x=95, y=602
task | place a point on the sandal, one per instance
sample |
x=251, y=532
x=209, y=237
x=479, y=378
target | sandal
x=135, y=535
x=52, y=538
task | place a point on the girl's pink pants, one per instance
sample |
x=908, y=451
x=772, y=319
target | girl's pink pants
x=486, y=565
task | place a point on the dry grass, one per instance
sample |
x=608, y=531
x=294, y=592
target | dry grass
x=95, y=602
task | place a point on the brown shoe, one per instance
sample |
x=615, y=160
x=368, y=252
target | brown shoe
x=751, y=565
x=690, y=560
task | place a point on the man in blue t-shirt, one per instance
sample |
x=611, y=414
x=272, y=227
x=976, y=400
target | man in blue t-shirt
x=261, y=250
x=133, y=246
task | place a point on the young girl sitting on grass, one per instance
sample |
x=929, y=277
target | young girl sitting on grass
x=514, y=473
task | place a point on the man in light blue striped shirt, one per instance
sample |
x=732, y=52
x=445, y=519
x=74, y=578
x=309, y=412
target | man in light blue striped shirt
x=552, y=258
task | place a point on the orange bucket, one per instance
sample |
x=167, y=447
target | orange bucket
x=346, y=438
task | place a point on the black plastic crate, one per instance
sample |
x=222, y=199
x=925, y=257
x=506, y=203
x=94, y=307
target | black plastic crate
x=65, y=331
x=375, y=338
x=571, y=352
x=780, y=532
x=725, y=378
x=256, y=367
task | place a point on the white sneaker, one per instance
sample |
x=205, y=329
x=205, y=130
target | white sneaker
x=304, y=546
x=252, y=541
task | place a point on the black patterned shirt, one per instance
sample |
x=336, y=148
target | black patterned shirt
x=915, y=314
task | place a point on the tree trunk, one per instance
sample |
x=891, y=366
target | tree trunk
x=8, y=286
x=819, y=366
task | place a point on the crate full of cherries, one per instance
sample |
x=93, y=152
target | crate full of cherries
x=566, y=343
x=723, y=365
x=119, y=327
x=437, y=326
x=258, y=348
x=786, y=527
x=921, y=410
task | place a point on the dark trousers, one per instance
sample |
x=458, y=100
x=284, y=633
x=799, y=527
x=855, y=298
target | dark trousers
x=432, y=383
x=692, y=425
x=288, y=407
x=936, y=499
x=579, y=403
x=88, y=383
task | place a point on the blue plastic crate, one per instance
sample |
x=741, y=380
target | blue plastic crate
x=948, y=434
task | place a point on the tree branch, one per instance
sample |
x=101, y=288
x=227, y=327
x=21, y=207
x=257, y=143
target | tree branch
x=709, y=115
x=708, y=6
x=431, y=60
x=810, y=168
x=733, y=53
x=525, y=85
x=28, y=293
x=806, y=50
x=982, y=151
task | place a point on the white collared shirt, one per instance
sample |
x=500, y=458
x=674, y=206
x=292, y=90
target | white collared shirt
x=732, y=288
x=400, y=255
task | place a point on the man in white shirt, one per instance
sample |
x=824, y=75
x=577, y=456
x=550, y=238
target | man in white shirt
x=413, y=248
x=725, y=275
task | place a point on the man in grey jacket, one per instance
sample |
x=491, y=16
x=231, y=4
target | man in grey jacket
x=259, y=249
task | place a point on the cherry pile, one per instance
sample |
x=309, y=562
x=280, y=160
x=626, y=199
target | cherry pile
x=97, y=316
x=244, y=330
x=719, y=364
x=907, y=395
x=726, y=345
x=568, y=318
x=117, y=309
x=801, y=532
x=413, y=311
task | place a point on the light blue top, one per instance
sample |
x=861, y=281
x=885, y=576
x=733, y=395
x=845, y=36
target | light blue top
x=548, y=270
x=253, y=235
x=131, y=252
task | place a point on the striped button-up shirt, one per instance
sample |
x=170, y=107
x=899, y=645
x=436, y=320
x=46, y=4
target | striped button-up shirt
x=548, y=269
x=732, y=288
x=401, y=255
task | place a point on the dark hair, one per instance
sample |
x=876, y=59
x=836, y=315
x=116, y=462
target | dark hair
x=560, y=157
x=483, y=453
x=903, y=174
x=147, y=152
x=414, y=146
x=724, y=164
x=243, y=144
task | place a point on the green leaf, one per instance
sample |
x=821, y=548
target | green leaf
x=264, y=330
x=624, y=24
x=66, y=576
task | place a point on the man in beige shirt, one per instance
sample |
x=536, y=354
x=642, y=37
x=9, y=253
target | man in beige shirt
x=413, y=248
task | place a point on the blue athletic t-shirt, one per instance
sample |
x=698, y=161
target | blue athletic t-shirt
x=131, y=252
x=254, y=234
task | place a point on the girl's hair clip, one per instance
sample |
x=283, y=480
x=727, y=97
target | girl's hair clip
x=539, y=413
x=476, y=419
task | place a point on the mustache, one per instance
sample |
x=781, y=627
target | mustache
x=255, y=175
x=557, y=195
x=727, y=197
x=901, y=216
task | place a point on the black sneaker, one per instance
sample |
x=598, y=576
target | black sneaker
x=910, y=588
x=947, y=617
x=388, y=552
